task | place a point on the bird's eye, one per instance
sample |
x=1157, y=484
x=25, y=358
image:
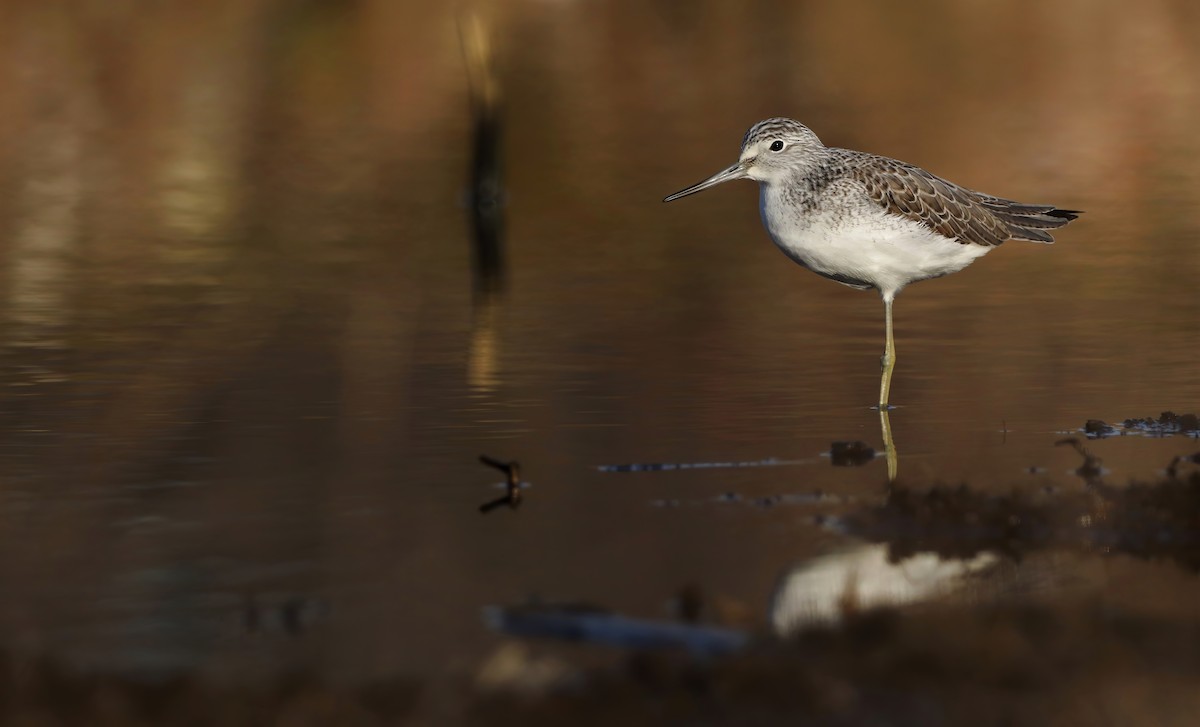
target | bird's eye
x=777, y=145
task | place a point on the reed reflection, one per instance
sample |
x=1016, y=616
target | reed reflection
x=486, y=192
x=485, y=201
x=483, y=350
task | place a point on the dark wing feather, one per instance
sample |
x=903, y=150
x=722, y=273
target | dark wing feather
x=953, y=211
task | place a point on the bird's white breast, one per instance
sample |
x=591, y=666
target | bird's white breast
x=853, y=239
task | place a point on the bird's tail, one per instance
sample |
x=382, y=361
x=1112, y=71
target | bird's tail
x=1029, y=222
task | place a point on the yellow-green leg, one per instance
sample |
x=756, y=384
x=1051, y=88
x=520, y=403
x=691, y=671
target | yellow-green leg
x=888, y=361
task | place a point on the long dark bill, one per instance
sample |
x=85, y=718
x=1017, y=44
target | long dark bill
x=733, y=172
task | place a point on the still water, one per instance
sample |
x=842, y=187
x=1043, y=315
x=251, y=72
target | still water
x=248, y=371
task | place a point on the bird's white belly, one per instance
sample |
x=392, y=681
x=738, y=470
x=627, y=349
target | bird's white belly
x=866, y=246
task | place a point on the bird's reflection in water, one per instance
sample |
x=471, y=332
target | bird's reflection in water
x=824, y=590
x=889, y=445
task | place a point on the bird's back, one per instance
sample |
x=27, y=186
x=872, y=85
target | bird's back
x=953, y=211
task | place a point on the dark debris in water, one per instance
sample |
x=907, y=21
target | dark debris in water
x=850, y=454
x=1159, y=520
x=816, y=497
x=1091, y=470
x=1174, y=469
x=714, y=465
x=1167, y=424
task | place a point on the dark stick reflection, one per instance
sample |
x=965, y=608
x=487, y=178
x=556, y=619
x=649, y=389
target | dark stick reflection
x=486, y=191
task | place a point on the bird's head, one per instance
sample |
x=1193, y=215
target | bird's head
x=771, y=150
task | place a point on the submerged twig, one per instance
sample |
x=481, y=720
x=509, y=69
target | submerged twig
x=512, y=493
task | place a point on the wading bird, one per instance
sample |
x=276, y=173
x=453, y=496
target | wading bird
x=868, y=221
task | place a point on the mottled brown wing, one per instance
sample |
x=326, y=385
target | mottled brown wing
x=945, y=207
